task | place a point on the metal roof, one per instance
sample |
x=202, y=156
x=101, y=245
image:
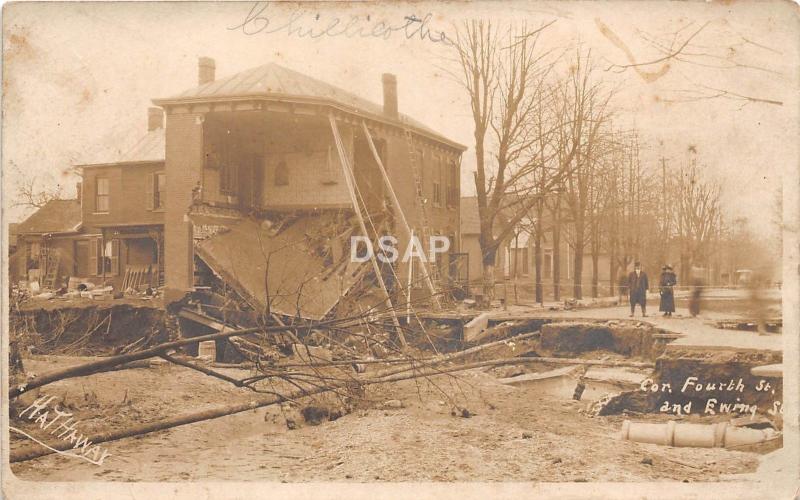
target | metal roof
x=57, y=216
x=150, y=148
x=275, y=81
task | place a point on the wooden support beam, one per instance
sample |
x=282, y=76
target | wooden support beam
x=399, y=209
x=350, y=180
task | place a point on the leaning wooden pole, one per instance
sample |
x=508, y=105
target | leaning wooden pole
x=399, y=207
x=36, y=451
x=112, y=361
x=348, y=172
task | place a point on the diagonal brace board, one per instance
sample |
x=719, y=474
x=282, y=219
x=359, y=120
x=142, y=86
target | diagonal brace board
x=399, y=207
x=349, y=180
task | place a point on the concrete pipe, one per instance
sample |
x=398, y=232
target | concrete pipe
x=694, y=435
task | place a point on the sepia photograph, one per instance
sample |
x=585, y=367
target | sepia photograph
x=372, y=249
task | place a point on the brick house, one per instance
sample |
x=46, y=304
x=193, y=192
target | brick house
x=515, y=259
x=122, y=209
x=116, y=223
x=260, y=143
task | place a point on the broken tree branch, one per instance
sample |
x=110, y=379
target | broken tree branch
x=36, y=451
x=112, y=361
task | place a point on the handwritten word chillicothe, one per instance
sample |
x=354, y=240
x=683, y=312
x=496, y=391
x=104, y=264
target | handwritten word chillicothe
x=303, y=24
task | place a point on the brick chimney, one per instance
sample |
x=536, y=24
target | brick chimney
x=155, y=119
x=390, y=95
x=205, y=70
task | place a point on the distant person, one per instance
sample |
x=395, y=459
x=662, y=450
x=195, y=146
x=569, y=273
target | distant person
x=622, y=285
x=757, y=304
x=637, y=288
x=695, y=297
x=666, y=284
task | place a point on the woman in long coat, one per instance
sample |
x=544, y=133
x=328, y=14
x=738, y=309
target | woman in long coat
x=668, y=280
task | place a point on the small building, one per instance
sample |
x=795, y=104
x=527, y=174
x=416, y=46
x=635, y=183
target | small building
x=515, y=258
x=47, y=242
x=471, y=246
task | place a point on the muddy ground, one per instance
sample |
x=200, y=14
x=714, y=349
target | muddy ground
x=513, y=434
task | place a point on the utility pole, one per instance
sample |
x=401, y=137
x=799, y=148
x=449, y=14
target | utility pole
x=664, y=219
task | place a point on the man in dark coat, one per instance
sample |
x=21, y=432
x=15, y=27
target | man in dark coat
x=668, y=280
x=637, y=288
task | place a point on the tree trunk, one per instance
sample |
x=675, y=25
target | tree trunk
x=577, y=288
x=595, y=273
x=488, y=278
x=556, y=262
x=537, y=263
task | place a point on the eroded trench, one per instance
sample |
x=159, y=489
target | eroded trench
x=695, y=382
x=615, y=367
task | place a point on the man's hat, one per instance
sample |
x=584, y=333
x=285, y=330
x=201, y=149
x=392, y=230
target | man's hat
x=637, y=264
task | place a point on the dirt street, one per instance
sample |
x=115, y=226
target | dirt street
x=513, y=434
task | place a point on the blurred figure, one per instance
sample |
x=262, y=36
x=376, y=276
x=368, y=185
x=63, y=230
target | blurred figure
x=637, y=288
x=622, y=284
x=695, y=297
x=758, y=304
x=666, y=283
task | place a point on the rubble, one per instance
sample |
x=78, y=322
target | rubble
x=290, y=272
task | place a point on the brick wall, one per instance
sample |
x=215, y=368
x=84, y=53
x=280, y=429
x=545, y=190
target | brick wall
x=184, y=161
x=127, y=196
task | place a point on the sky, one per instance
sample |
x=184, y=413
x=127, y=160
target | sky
x=78, y=78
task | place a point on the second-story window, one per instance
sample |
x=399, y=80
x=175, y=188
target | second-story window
x=454, y=180
x=437, y=182
x=160, y=191
x=281, y=174
x=228, y=178
x=156, y=191
x=101, y=203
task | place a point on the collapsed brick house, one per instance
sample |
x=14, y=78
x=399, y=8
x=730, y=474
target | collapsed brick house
x=257, y=192
x=247, y=182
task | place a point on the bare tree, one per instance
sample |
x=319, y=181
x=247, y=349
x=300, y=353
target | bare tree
x=502, y=74
x=697, y=214
x=585, y=105
x=30, y=193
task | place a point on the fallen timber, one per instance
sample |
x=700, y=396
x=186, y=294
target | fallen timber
x=427, y=368
x=35, y=451
x=112, y=361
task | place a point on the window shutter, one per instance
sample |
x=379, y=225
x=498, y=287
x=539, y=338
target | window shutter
x=148, y=189
x=114, y=257
x=93, y=256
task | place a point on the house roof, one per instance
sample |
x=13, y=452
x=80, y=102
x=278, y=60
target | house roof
x=148, y=149
x=13, y=231
x=275, y=81
x=57, y=216
x=470, y=217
